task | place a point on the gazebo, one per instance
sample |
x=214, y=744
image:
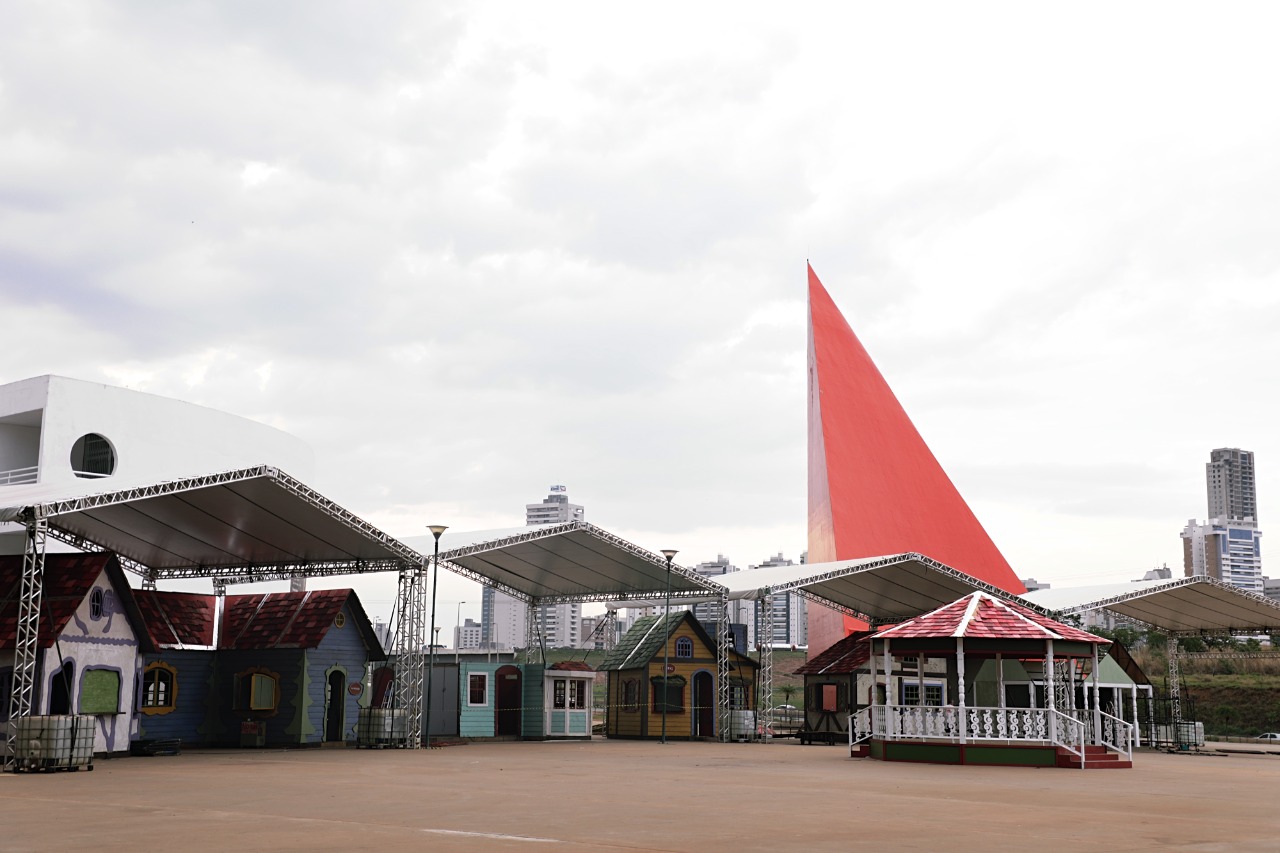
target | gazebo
x=935, y=722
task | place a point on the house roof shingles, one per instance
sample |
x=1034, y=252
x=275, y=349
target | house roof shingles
x=841, y=658
x=650, y=633
x=177, y=618
x=280, y=620
x=982, y=615
x=68, y=578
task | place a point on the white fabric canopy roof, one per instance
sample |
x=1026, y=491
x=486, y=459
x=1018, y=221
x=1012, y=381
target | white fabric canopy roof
x=253, y=521
x=575, y=561
x=1192, y=605
x=882, y=589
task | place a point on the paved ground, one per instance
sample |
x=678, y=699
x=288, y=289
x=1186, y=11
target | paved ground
x=620, y=795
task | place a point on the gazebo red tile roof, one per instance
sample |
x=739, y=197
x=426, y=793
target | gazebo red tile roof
x=571, y=666
x=980, y=614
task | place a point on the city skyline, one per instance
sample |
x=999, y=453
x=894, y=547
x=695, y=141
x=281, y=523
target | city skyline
x=486, y=251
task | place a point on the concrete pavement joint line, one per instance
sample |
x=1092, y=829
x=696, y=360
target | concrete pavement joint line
x=496, y=835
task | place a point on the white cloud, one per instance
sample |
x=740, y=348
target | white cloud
x=470, y=251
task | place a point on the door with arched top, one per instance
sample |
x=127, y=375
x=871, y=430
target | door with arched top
x=336, y=705
x=507, y=707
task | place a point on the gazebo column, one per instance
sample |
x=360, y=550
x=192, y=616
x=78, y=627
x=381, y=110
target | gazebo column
x=1137, y=737
x=1049, y=690
x=1000, y=681
x=964, y=721
x=888, y=690
x=871, y=698
x=1097, y=705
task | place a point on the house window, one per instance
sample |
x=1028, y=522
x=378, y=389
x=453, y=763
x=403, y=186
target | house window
x=737, y=697
x=668, y=693
x=684, y=648
x=631, y=695
x=340, y=619
x=478, y=688
x=577, y=693
x=159, y=688
x=100, y=692
x=558, y=688
x=256, y=691
x=95, y=603
x=911, y=693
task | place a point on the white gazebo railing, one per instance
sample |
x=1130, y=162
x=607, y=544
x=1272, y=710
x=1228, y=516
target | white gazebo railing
x=1071, y=730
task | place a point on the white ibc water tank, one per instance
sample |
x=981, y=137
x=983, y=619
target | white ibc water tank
x=55, y=742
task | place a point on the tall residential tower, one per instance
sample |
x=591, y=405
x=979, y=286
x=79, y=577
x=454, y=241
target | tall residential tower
x=1229, y=477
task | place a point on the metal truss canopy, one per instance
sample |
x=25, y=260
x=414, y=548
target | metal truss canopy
x=877, y=589
x=555, y=563
x=1182, y=607
x=248, y=524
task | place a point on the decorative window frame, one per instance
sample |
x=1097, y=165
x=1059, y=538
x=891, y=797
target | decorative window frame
x=158, y=710
x=668, y=683
x=631, y=695
x=486, y=681
x=929, y=684
x=91, y=672
x=97, y=603
x=251, y=672
x=684, y=648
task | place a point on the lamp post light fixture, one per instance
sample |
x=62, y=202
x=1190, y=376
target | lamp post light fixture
x=436, y=530
x=457, y=642
x=670, y=554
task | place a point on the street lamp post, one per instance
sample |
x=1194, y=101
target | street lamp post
x=436, y=530
x=670, y=554
x=457, y=642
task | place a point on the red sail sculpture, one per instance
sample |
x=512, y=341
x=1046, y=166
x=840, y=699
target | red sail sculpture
x=875, y=488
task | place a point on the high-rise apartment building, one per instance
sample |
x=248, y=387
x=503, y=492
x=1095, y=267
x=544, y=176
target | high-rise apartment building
x=503, y=619
x=1227, y=550
x=790, y=618
x=1228, y=546
x=554, y=509
x=1229, y=477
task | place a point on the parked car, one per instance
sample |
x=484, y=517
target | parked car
x=1271, y=736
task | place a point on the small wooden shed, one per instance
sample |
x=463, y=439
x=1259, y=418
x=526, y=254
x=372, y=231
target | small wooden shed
x=643, y=701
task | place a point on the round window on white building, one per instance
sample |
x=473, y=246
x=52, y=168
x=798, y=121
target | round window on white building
x=93, y=456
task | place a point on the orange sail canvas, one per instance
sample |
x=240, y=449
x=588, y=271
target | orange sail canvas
x=875, y=488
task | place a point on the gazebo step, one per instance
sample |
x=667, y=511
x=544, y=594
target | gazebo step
x=1095, y=758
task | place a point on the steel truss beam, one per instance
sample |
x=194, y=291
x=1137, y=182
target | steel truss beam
x=404, y=555
x=548, y=531
x=26, y=642
x=411, y=605
x=1175, y=686
x=724, y=640
x=1178, y=583
x=764, y=645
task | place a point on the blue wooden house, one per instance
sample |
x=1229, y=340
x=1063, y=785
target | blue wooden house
x=286, y=669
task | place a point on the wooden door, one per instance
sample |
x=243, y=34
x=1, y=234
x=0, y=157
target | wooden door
x=508, y=702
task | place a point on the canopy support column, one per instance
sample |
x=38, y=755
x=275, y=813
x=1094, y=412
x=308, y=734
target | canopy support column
x=724, y=639
x=1000, y=680
x=889, y=727
x=26, y=645
x=1175, y=688
x=410, y=605
x=764, y=643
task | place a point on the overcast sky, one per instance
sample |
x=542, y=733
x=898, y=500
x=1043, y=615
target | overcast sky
x=468, y=251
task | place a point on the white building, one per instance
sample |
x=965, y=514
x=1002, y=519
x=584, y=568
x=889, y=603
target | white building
x=790, y=615
x=1228, y=550
x=554, y=509
x=57, y=430
x=467, y=636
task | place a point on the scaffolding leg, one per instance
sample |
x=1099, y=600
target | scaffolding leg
x=764, y=643
x=1175, y=689
x=724, y=641
x=410, y=606
x=22, y=692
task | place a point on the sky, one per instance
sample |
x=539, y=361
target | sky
x=467, y=251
